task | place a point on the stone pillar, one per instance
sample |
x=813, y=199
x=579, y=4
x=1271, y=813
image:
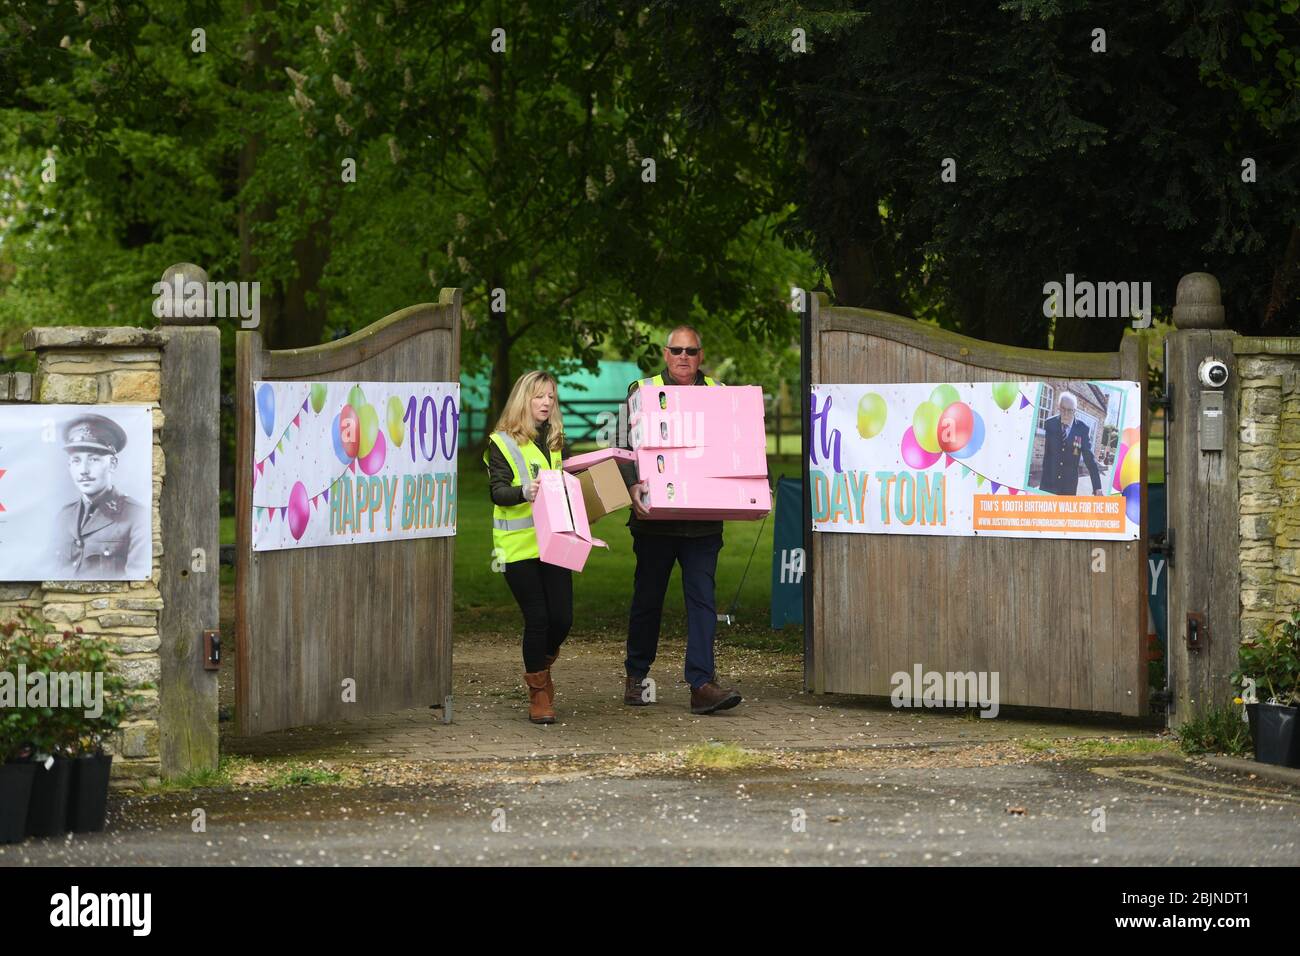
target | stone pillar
x=1270, y=481
x=1203, y=504
x=105, y=366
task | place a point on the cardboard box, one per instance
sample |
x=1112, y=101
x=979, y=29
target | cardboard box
x=707, y=499
x=582, y=462
x=726, y=400
x=560, y=521
x=676, y=416
x=742, y=460
x=603, y=491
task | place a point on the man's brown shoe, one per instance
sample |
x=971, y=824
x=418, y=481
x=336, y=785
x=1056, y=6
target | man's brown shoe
x=540, y=710
x=632, y=692
x=709, y=697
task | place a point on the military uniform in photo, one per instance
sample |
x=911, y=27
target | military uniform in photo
x=106, y=535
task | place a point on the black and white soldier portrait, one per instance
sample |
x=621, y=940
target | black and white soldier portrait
x=76, y=493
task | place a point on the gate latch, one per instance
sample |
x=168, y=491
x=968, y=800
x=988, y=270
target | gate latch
x=1163, y=544
x=212, y=650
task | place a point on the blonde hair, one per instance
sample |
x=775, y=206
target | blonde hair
x=517, y=417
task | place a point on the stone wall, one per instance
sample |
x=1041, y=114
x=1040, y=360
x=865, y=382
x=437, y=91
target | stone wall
x=1269, y=480
x=106, y=366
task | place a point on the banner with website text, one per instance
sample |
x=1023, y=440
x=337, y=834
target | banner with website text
x=1057, y=458
x=344, y=462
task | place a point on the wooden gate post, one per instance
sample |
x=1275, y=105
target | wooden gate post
x=190, y=567
x=1201, y=478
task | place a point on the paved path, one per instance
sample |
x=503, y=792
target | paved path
x=490, y=712
x=931, y=809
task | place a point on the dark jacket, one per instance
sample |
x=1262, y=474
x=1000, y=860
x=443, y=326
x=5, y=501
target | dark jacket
x=500, y=477
x=680, y=528
x=1061, y=456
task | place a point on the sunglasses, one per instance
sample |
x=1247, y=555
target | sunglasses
x=679, y=349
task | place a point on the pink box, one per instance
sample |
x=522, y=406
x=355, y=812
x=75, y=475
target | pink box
x=742, y=460
x=583, y=462
x=707, y=499
x=560, y=521
x=746, y=400
x=677, y=416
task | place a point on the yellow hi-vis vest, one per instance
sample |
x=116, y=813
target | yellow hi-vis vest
x=513, y=537
x=659, y=380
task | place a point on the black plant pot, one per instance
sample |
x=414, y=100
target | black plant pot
x=15, y=797
x=88, y=792
x=1275, y=731
x=48, y=813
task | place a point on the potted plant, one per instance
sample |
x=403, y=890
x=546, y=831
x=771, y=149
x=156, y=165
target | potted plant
x=84, y=736
x=17, y=730
x=47, y=811
x=1273, y=662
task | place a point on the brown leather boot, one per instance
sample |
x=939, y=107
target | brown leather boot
x=709, y=697
x=632, y=692
x=540, y=710
x=550, y=687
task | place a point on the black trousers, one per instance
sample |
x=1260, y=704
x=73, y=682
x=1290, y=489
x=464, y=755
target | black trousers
x=544, y=593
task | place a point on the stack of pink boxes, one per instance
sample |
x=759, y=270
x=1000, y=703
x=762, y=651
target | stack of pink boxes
x=702, y=451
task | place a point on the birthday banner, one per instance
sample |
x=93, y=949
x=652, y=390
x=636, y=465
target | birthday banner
x=328, y=469
x=1053, y=459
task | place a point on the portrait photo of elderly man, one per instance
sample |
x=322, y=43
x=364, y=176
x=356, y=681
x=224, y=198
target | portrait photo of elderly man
x=1068, y=442
x=104, y=534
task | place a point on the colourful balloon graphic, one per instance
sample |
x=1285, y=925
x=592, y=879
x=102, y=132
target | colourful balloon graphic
x=872, y=412
x=1133, y=502
x=395, y=420
x=336, y=433
x=318, y=392
x=956, y=424
x=943, y=396
x=925, y=426
x=1131, y=470
x=349, y=431
x=1004, y=393
x=1119, y=467
x=372, y=462
x=355, y=397
x=976, y=437
x=369, y=429
x=916, y=456
x=266, y=407
x=299, y=510
x=1131, y=436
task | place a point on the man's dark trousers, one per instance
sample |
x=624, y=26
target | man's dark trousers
x=655, y=555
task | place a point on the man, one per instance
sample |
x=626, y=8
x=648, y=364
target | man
x=1067, y=440
x=104, y=535
x=658, y=545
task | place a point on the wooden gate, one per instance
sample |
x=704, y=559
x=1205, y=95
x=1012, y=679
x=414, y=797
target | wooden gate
x=1059, y=634
x=307, y=619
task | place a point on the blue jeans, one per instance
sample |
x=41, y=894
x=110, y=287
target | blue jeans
x=655, y=556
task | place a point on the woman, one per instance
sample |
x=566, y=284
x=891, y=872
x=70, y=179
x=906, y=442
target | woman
x=528, y=438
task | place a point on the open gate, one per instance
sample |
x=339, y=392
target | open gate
x=1059, y=633
x=376, y=613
